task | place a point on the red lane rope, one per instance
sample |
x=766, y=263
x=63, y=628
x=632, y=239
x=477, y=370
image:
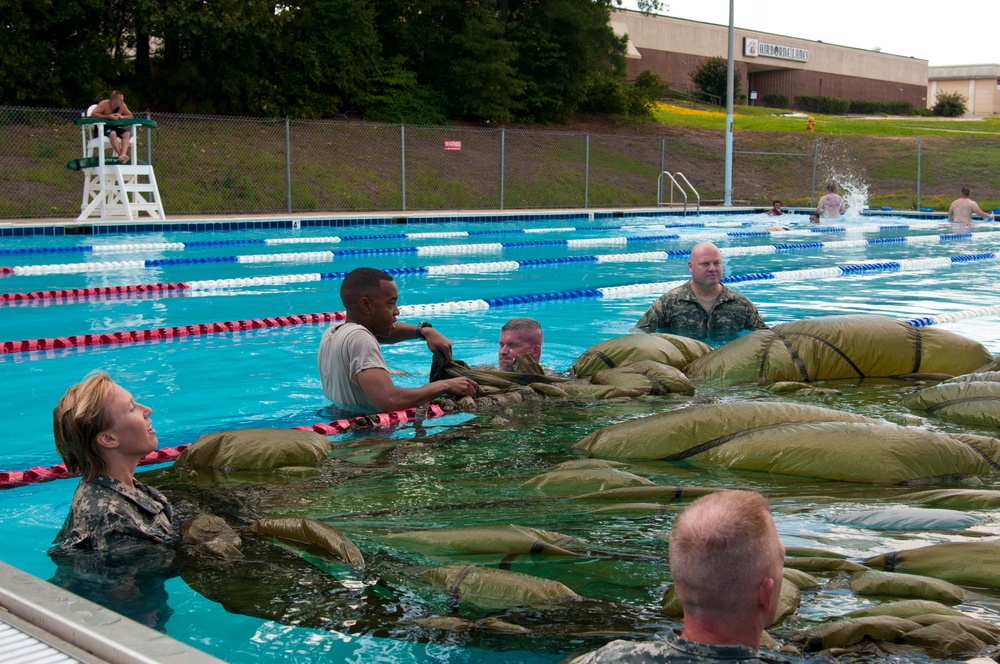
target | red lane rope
x=90, y=292
x=149, y=334
x=378, y=421
x=15, y=478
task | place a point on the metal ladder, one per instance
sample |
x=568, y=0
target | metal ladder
x=674, y=184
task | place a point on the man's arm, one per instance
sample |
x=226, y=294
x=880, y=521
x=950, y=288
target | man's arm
x=386, y=397
x=984, y=215
x=435, y=340
x=123, y=111
x=951, y=211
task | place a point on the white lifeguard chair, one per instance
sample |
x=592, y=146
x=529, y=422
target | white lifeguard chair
x=113, y=190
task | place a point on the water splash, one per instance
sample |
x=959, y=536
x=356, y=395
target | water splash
x=855, y=194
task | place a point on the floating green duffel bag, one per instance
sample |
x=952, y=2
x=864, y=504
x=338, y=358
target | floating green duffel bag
x=969, y=399
x=797, y=440
x=965, y=498
x=586, y=479
x=496, y=588
x=669, y=349
x=490, y=539
x=842, y=633
x=679, y=431
x=967, y=563
x=873, y=582
x=853, y=346
x=649, y=376
x=255, y=449
x=309, y=531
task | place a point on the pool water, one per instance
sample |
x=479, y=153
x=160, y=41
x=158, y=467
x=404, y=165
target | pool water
x=459, y=469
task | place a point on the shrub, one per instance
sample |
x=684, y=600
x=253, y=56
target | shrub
x=825, y=105
x=710, y=79
x=774, y=101
x=871, y=107
x=642, y=93
x=950, y=104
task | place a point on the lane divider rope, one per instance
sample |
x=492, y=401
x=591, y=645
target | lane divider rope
x=422, y=250
x=474, y=268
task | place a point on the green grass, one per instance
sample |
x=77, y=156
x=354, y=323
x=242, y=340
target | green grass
x=756, y=118
x=237, y=165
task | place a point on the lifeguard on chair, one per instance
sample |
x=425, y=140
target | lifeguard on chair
x=116, y=185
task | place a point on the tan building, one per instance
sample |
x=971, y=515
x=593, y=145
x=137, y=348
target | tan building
x=979, y=84
x=768, y=63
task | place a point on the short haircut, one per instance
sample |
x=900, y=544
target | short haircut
x=78, y=418
x=776, y=203
x=721, y=546
x=966, y=192
x=522, y=324
x=830, y=188
x=361, y=282
x=115, y=93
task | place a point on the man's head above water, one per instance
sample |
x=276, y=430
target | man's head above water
x=517, y=337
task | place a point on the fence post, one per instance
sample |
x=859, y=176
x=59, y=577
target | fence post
x=288, y=166
x=503, y=151
x=918, y=174
x=586, y=175
x=149, y=139
x=812, y=192
x=402, y=159
x=663, y=155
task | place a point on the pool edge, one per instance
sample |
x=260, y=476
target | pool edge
x=57, y=617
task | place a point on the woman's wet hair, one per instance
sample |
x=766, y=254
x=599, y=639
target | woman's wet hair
x=81, y=414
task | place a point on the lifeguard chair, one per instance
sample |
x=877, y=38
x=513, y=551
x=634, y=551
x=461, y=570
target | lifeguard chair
x=113, y=190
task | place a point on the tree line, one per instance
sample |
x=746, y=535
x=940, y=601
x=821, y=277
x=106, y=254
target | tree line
x=415, y=61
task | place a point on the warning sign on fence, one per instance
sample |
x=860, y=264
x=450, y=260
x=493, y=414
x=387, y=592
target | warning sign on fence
x=453, y=145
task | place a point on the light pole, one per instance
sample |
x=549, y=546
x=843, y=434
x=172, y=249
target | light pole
x=728, y=195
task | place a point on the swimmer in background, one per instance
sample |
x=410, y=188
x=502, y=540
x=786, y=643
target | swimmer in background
x=775, y=210
x=962, y=209
x=831, y=204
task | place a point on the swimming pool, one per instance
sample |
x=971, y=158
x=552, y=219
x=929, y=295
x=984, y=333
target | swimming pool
x=452, y=470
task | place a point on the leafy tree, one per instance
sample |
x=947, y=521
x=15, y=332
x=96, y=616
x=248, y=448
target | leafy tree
x=710, y=78
x=566, y=52
x=950, y=104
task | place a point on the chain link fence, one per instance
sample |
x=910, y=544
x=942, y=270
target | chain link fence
x=234, y=165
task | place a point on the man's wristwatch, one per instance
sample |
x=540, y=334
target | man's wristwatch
x=420, y=328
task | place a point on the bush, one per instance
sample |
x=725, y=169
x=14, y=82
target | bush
x=710, y=79
x=774, y=101
x=870, y=107
x=950, y=104
x=825, y=105
x=642, y=93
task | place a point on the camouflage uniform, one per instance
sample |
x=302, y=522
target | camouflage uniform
x=680, y=312
x=107, y=512
x=675, y=650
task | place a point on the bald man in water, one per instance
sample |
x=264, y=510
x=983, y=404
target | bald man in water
x=704, y=306
x=963, y=208
x=726, y=560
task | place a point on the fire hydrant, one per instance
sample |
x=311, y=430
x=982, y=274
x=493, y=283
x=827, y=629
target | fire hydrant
x=811, y=123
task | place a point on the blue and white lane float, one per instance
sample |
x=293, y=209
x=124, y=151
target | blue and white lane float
x=480, y=249
x=137, y=247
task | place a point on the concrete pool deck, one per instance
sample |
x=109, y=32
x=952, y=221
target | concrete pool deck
x=40, y=622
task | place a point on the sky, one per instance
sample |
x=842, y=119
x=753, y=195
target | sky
x=958, y=34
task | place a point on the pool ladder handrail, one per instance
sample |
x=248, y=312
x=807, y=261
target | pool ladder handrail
x=673, y=183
